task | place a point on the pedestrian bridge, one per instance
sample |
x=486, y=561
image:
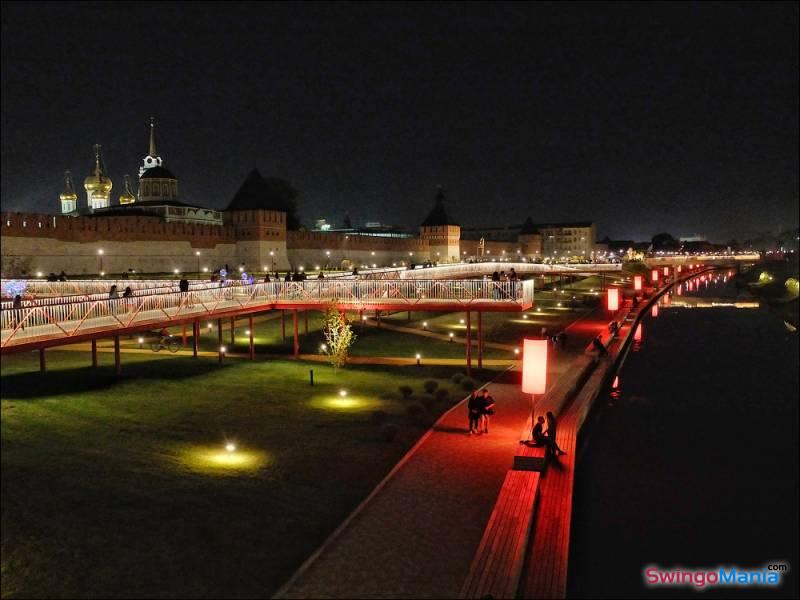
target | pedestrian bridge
x=49, y=322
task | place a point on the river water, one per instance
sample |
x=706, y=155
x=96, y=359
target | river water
x=691, y=460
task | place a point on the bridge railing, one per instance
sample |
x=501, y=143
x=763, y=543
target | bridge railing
x=83, y=287
x=70, y=319
x=483, y=268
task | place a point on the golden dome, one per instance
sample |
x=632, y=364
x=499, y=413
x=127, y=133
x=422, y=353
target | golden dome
x=127, y=196
x=68, y=195
x=97, y=184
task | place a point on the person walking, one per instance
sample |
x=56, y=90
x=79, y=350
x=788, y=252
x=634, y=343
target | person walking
x=474, y=405
x=487, y=410
x=551, y=432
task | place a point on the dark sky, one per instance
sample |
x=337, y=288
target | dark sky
x=642, y=117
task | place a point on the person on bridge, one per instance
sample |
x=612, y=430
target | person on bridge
x=16, y=313
x=62, y=276
x=551, y=432
x=113, y=294
x=266, y=278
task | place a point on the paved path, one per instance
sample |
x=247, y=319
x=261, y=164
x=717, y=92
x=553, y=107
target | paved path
x=417, y=535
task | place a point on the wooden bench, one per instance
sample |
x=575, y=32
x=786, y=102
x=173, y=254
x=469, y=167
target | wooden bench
x=497, y=566
x=528, y=456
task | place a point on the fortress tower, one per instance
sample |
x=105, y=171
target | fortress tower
x=441, y=232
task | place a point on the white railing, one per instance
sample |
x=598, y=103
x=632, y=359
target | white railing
x=79, y=287
x=522, y=268
x=102, y=316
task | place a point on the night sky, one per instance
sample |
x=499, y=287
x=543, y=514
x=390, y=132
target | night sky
x=644, y=118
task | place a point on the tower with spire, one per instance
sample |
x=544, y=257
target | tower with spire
x=156, y=183
x=442, y=233
x=152, y=159
x=69, y=199
x=97, y=184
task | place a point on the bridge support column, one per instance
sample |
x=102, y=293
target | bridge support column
x=408, y=316
x=94, y=353
x=305, y=314
x=469, y=345
x=195, y=337
x=283, y=324
x=219, y=339
x=480, y=340
x=42, y=361
x=117, y=361
x=252, y=345
x=378, y=318
x=183, y=335
x=233, y=330
x=296, y=339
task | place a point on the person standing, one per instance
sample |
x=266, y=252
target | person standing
x=551, y=432
x=487, y=409
x=474, y=405
x=16, y=311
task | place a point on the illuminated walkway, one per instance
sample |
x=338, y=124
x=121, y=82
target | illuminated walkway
x=415, y=537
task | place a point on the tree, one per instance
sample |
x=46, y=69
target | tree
x=339, y=336
x=664, y=241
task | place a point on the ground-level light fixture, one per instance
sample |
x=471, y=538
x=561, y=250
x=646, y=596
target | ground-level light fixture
x=424, y=324
x=39, y=273
x=451, y=336
x=461, y=321
x=210, y=326
x=419, y=358
x=247, y=332
x=230, y=447
x=222, y=349
x=102, y=273
x=323, y=347
x=343, y=393
x=516, y=350
x=525, y=317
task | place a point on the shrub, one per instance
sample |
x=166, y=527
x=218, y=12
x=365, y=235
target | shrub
x=428, y=401
x=430, y=385
x=457, y=377
x=379, y=417
x=442, y=395
x=467, y=384
x=415, y=410
x=389, y=432
x=406, y=390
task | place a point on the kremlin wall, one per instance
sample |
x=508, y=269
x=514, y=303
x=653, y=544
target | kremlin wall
x=154, y=232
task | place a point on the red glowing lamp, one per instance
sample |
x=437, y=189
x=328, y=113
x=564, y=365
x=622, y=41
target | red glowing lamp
x=613, y=299
x=680, y=268
x=637, y=282
x=654, y=276
x=534, y=366
x=668, y=299
x=680, y=290
x=666, y=271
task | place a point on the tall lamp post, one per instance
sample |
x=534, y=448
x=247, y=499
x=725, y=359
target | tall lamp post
x=197, y=254
x=100, y=261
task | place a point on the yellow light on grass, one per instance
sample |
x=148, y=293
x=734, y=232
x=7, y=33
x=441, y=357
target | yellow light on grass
x=213, y=460
x=343, y=393
x=230, y=447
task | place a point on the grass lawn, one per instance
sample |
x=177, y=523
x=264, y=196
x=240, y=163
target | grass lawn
x=122, y=487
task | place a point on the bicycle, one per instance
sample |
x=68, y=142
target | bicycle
x=171, y=344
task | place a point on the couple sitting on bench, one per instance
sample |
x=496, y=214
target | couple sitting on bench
x=546, y=438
